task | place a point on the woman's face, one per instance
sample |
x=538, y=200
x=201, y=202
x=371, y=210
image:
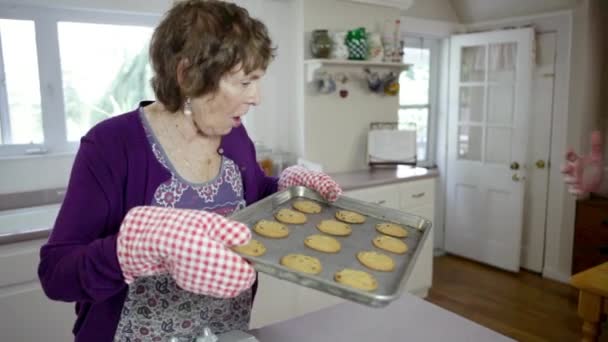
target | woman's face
x=217, y=113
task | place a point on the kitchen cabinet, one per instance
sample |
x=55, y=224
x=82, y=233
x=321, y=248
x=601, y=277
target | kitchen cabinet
x=279, y=300
x=415, y=197
x=27, y=314
x=275, y=301
x=590, y=234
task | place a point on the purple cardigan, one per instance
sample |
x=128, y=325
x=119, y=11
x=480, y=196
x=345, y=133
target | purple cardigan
x=114, y=171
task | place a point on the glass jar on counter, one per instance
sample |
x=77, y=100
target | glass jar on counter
x=264, y=158
x=283, y=160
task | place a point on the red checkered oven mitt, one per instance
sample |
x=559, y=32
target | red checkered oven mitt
x=318, y=181
x=191, y=245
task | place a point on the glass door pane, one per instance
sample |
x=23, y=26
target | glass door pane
x=486, y=103
x=471, y=104
x=473, y=64
x=470, y=142
x=498, y=145
x=500, y=104
x=501, y=62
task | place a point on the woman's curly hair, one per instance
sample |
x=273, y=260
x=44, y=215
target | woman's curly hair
x=213, y=37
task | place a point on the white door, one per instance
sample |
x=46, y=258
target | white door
x=537, y=183
x=490, y=82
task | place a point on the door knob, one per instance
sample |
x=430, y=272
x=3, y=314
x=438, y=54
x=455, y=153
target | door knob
x=540, y=164
x=514, y=166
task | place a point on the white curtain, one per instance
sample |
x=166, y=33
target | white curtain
x=502, y=57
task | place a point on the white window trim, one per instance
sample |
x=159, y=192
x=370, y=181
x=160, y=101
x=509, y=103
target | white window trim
x=434, y=45
x=49, y=68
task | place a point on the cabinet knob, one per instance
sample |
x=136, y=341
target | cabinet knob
x=540, y=164
x=418, y=195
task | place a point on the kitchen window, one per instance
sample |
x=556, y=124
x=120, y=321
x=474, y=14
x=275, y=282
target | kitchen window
x=417, y=94
x=62, y=71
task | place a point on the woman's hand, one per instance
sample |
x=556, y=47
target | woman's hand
x=318, y=181
x=191, y=245
x=583, y=174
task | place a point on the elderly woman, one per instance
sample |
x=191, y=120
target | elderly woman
x=141, y=243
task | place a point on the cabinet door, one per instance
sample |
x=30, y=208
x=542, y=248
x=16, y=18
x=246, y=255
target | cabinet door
x=417, y=194
x=26, y=314
x=383, y=195
x=310, y=300
x=275, y=301
x=421, y=277
x=426, y=212
x=418, y=198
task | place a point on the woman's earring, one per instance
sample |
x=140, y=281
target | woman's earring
x=187, y=107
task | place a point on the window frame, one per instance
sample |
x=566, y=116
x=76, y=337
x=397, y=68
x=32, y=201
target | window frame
x=433, y=44
x=46, y=21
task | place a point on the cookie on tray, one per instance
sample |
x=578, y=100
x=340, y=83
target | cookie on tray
x=307, y=207
x=376, y=261
x=333, y=227
x=391, y=229
x=302, y=263
x=389, y=243
x=253, y=248
x=357, y=279
x=271, y=229
x=349, y=216
x=323, y=243
x=290, y=216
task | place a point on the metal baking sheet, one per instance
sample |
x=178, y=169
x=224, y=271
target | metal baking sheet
x=390, y=284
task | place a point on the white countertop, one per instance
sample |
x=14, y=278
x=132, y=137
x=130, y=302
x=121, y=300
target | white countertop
x=352, y=180
x=27, y=223
x=407, y=319
x=36, y=222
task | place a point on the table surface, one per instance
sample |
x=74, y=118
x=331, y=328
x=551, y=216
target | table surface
x=407, y=319
x=594, y=280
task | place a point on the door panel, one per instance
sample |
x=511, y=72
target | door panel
x=537, y=185
x=487, y=140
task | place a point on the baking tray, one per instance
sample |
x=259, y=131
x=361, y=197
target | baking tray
x=390, y=284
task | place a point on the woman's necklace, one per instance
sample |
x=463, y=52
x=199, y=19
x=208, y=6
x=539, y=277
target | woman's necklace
x=202, y=168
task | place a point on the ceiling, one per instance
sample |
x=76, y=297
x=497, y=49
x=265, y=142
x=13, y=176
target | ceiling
x=470, y=11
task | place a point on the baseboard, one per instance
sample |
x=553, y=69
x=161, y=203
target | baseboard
x=556, y=275
x=422, y=293
x=437, y=252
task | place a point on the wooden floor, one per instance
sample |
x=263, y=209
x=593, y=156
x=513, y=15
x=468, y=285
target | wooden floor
x=524, y=306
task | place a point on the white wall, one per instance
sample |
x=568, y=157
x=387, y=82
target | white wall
x=149, y=6
x=439, y=10
x=586, y=103
x=329, y=116
x=270, y=124
x=472, y=11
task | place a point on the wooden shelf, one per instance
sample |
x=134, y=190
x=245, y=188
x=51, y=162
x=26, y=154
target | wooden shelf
x=312, y=65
